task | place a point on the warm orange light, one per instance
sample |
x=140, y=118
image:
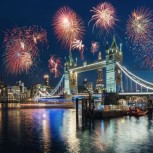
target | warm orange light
x=46, y=76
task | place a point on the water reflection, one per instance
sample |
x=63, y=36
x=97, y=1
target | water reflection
x=46, y=137
x=69, y=133
x=54, y=130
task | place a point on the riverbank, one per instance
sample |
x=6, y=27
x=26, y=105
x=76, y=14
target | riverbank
x=36, y=105
x=48, y=105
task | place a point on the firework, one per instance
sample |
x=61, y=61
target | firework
x=21, y=48
x=144, y=56
x=37, y=34
x=77, y=44
x=139, y=26
x=139, y=31
x=67, y=26
x=18, y=57
x=54, y=64
x=104, y=16
x=94, y=47
x=32, y=34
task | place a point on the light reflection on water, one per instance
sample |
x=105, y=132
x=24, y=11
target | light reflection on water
x=54, y=130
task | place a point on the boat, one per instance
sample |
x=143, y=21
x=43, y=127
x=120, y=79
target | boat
x=137, y=113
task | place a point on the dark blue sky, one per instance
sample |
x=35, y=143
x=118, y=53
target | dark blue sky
x=40, y=12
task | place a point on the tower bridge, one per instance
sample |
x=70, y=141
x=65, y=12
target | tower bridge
x=115, y=72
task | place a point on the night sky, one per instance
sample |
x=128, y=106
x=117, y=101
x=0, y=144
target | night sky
x=40, y=12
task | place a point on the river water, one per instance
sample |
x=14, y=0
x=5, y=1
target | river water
x=54, y=131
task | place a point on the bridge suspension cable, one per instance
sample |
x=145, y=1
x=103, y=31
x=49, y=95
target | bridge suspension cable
x=138, y=78
x=134, y=78
x=57, y=87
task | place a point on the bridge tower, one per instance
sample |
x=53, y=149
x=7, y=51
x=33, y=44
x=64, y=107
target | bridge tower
x=113, y=73
x=70, y=81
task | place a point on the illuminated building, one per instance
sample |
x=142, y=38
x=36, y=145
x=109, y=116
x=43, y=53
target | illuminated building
x=99, y=83
x=86, y=86
x=90, y=86
x=46, y=80
x=3, y=92
x=14, y=93
x=17, y=93
x=85, y=83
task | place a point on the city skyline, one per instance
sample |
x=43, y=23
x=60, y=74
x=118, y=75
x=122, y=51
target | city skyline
x=39, y=13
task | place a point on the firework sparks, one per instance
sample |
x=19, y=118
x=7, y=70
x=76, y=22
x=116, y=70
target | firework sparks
x=140, y=33
x=21, y=48
x=18, y=57
x=77, y=44
x=54, y=64
x=67, y=26
x=139, y=26
x=37, y=34
x=94, y=47
x=144, y=56
x=104, y=16
x=32, y=35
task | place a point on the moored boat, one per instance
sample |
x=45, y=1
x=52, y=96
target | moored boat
x=137, y=113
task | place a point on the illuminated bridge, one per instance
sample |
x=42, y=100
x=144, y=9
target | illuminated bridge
x=135, y=93
x=115, y=73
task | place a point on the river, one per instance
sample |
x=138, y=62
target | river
x=54, y=131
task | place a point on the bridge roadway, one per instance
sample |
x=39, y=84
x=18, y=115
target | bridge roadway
x=89, y=67
x=136, y=93
x=120, y=94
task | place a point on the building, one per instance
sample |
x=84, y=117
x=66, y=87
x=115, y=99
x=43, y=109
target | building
x=17, y=93
x=3, y=91
x=85, y=83
x=86, y=87
x=99, y=83
x=90, y=86
x=13, y=93
x=46, y=80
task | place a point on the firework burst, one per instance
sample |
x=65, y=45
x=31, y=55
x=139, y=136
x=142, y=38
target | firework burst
x=144, y=56
x=54, y=64
x=139, y=26
x=94, y=47
x=21, y=48
x=139, y=30
x=104, y=16
x=18, y=57
x=67, y=26
x=77, y=44
x=32, y=34
x=37, y=34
